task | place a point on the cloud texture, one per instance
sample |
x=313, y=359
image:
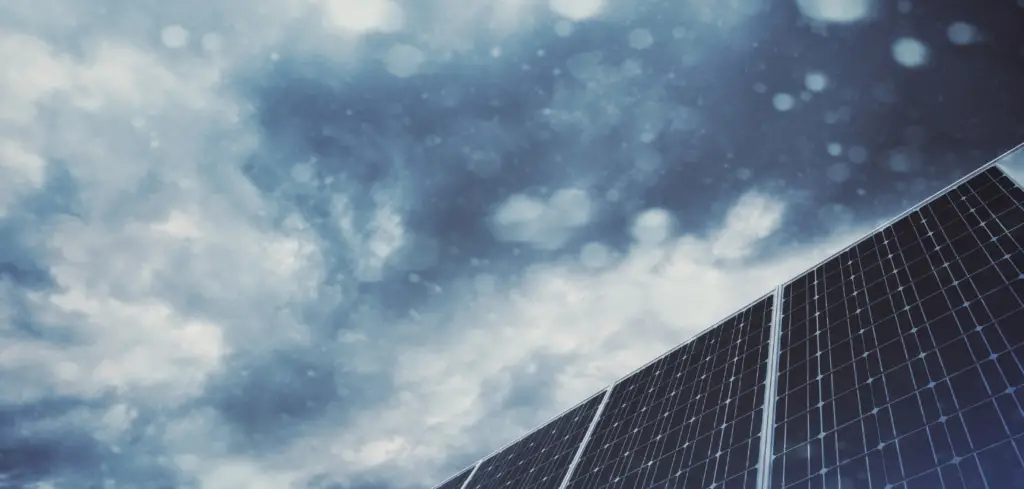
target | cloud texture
x=359, y=244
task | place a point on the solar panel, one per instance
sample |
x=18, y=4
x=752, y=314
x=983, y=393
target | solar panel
x=457, y=481
x=691, y=418
x=541, y=459
x=901, y=358
x=895, y=364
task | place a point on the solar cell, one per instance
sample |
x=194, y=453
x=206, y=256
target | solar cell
x=691, y=419
x=901, y=357
x=541, y=459
x=457, y=481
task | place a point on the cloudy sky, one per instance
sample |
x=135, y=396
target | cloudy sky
x=358, y=244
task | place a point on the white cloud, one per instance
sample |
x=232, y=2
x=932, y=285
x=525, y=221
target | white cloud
x=640, y=39
x=653, y=226
x=837, y=11
x=174, y=36
x=578, y=10
x=403, y=60
x=41, y=73
x=374, y=243
x=364, y=16
x=543, y=224
x=754, y=217
x=140, y=348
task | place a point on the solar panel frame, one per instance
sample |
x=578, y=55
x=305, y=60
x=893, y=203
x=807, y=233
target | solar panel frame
x=770, y=394
x=925, y=473
x=586, y=438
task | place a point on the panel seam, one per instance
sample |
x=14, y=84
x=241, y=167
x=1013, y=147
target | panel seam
x=471, y=474
x=768, y=416
x=586, y=438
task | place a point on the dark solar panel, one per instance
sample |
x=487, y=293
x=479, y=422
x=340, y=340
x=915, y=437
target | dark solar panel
x=541, y=459
x=691, y=419
x=457, y=481
x=901, y=358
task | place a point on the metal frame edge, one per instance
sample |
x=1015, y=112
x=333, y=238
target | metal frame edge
x=764, y=463
x=465, y=483
x=586, y=438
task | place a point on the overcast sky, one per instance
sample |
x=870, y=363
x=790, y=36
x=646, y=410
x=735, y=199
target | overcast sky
x=358, y=244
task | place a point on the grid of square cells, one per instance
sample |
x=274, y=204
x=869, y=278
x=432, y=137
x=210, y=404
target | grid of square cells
x=901, y=358
x=541, y=459
x=692, y=419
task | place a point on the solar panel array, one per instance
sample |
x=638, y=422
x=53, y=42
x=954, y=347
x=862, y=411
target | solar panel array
x=541, y=459
x=895, y=364
x=901, y=357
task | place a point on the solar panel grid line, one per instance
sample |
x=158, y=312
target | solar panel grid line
x=991, y=343
x=934, y=262
x=988, y=343
x=465, y=483
x=898, y=304
x=586, y=438
x=771, y=378
x=986, y=166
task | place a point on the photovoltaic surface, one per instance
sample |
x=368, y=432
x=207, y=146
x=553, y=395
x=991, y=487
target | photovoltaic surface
x=691, y=419
x=541, y=459
x=457, y=481
x=901, y=358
